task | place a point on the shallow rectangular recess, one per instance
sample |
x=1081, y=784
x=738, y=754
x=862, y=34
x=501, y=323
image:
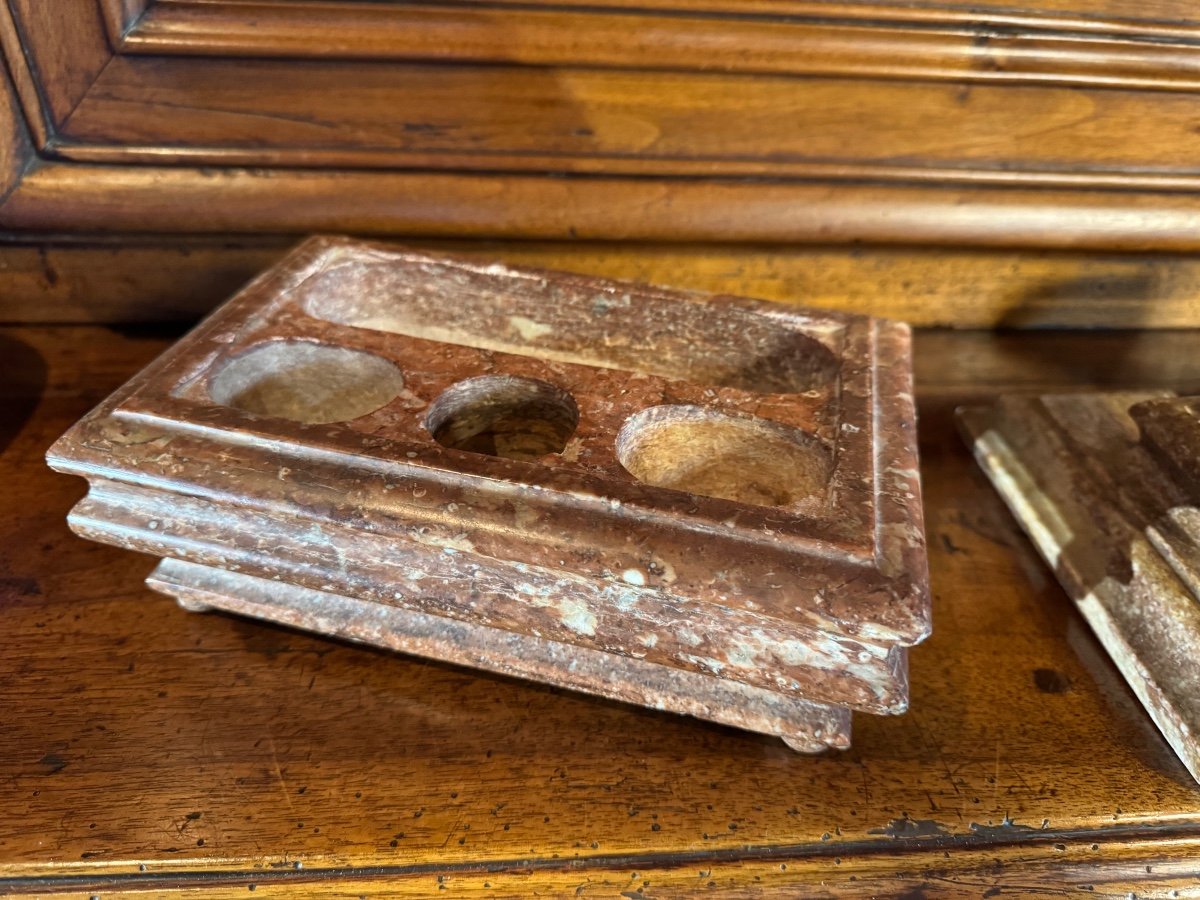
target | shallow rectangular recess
x=721, y=341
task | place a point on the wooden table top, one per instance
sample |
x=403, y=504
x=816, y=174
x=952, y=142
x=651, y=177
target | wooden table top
x=143, y=748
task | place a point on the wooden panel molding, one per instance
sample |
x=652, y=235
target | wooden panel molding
x=96, y=198
x=353, y=114
x=837, y=39
x=120, y=16
x=1150, y=16
x=16, y=149
x=558, y=122
x=26, y=110
x=65, y=47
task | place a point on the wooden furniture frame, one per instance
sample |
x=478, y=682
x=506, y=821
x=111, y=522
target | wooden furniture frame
x=1069, y=126
x=1027, y=163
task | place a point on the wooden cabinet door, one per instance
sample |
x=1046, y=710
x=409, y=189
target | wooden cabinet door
x=1032, y=123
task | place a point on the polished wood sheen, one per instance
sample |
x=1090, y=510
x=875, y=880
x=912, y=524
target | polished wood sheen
x=68, y=49
x=120, y=16
x=791, y=38
x=15, y=148
x=605, y=122
x=1157, y=16
x=1061, y=124
x=169, y=279
x=115, y=199
x=148, y=749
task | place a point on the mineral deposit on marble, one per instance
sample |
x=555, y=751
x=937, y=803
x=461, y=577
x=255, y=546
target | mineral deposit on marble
x=1108, y=488
x=702, y=504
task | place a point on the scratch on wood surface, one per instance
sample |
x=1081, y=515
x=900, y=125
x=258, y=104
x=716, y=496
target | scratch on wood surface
x=996, y=777
x=283, y=786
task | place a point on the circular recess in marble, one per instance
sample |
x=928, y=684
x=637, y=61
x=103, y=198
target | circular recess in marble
x=306, y=382
x=503, y=415
x=712, y=454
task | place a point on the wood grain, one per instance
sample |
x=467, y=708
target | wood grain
x=125, y=281
x=1099, y=14
x=339, y=114
x=816, y=41
x=65, y=46
x=16, y=151
x=1107, y=869
x=19, y=81
x=115, y=199
x=131, y=279
x=660, y=156
x=218, y=753
x=142, y=144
